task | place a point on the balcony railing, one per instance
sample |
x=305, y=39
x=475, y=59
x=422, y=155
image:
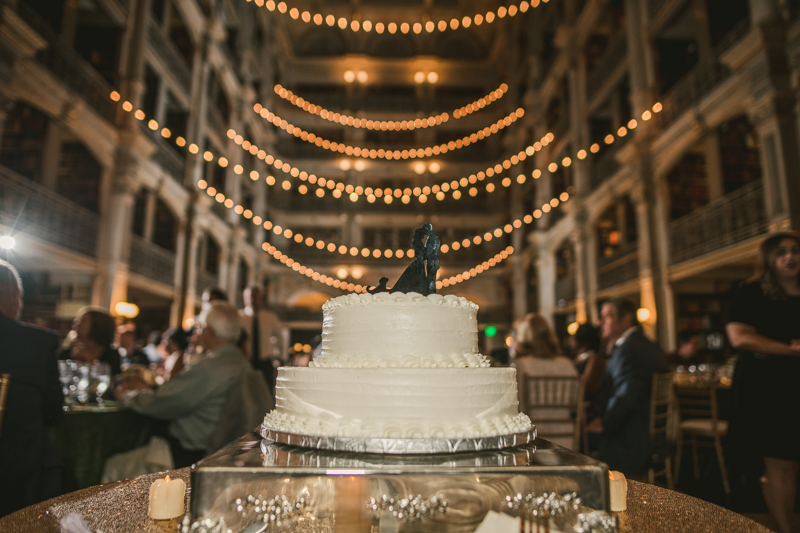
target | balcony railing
x=152, y=261
x=31, y=208
x=62, y=60
x=206, y=279
x=621, y=267
x=605, y=167
x=734, y=218
x=614, y=54
x=709, y=73
x=167, y=51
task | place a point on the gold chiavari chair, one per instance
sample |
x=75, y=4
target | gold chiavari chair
x=699, y=422
x=554, y=400
x=662, y=413
x=5, y=383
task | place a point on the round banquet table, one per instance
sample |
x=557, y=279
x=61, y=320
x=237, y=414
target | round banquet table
x=122, y=507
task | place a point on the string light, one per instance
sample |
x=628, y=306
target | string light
x=333, y=281
x=404, y=27
x=438, y=190
x=375, y=252
x=356, y=122
x=420, y=193
x=412, y=153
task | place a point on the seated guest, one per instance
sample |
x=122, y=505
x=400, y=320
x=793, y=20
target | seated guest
x=213, y=294
x=688, y=352
x=175, y=342
x=128, y=349
x=537, y=353
x=623, y=399
x=590, y=362
x=30, y=468
x=193, y=400
x=94, y=334
x=151, y=349
x=263, y=342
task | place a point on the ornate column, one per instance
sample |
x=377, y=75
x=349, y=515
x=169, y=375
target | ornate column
x=150, y=217
x=192, y=261
x=111, y=283
x=764, y=68
x=181, y=264
x=546, y=275
x=578, y=237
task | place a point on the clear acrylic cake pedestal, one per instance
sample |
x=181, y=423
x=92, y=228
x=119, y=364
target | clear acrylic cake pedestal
x=341, y=483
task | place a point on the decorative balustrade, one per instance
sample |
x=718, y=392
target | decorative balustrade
x=152, y=261
x=168, y=159
x=604, y=167
x=31, y=208
x=65, y=63
x=709, y=73
x=168, y=53
x=206, y=279
x=734, y=218
x=614, y=54
x=620, y=267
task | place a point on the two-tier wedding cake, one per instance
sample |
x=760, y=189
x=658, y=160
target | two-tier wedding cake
x=402, y=366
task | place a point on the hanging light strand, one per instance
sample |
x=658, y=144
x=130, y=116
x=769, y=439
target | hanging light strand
x=343, y=285
x=388, y=194
x=368, y=153
x=383, y=125
x=393, y=27
x=376, y=253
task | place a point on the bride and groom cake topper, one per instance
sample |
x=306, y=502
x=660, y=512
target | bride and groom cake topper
x=420, y=276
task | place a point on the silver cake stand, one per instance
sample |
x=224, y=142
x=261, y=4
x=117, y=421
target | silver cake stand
x=400, y=446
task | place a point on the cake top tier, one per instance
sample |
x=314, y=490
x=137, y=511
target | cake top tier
x=387, y=297
x=392, y=330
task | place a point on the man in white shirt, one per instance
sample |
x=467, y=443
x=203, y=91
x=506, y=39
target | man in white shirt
x=265, y=344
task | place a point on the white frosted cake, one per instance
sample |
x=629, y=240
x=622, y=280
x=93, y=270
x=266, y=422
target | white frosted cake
x=398, y=366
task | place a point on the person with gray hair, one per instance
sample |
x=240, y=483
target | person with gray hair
x=31, y=468
x=193, y=400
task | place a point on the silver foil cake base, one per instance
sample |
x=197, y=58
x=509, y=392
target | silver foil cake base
x=342, y=482
x=401, y=446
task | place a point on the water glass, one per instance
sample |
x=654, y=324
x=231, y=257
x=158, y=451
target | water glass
x=81, y=382
x=100, y=375
x=66, y=371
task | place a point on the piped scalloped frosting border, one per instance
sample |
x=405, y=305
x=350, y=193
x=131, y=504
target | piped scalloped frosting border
x=488, y=427
x=399, y=297
x=467, y=360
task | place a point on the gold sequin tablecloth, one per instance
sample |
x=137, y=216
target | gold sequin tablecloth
x=122, y=507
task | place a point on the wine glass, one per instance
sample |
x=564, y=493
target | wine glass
x=65, y=372
x=101, y=379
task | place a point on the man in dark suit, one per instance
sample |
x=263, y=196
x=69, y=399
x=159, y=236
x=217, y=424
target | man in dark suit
x=623, y=398
x=30, y=468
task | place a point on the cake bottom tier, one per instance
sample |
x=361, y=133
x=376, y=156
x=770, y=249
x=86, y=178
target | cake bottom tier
x=401, y=403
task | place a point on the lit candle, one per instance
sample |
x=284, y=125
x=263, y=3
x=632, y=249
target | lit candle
x=618, y=486
x=166, y=498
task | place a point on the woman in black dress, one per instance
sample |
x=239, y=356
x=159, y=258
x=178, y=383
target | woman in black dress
x=764, y=324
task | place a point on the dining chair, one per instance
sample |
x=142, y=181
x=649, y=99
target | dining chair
x=5, y=383
x=699, y=422
x=662, y=413
x=555, y=401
